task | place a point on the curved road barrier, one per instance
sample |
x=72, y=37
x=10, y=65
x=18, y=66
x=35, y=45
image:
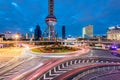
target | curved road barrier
x=64, y=65
x=73, y=73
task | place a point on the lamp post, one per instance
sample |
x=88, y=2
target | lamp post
x=16, y=38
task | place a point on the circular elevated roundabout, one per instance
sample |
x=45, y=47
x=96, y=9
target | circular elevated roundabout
x=86, y=68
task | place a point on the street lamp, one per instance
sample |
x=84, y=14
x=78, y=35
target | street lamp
x=16, y=38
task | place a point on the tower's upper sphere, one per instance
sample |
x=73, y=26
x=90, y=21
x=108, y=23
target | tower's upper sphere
x=51, y=17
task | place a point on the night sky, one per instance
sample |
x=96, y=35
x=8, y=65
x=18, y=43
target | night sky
x=22, y=15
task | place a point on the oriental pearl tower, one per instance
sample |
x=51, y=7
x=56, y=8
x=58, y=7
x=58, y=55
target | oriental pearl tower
x=51, y=21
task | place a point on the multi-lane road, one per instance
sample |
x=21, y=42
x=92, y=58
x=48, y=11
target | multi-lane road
x=32, y=66
x=27, y=62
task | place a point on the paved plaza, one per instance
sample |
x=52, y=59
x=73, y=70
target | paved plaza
x=7, y=54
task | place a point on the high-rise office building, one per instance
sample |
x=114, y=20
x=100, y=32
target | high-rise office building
x=88, y=32
x=33, y=36
x=27, y=36
x=63, y=32
x=37, y=32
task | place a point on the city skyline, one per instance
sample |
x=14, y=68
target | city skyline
x=22, y=16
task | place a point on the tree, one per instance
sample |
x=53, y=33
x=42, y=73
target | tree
x=38, y=32
x=63, y=32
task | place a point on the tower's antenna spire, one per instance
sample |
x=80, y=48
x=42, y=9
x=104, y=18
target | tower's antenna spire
x=51, y=7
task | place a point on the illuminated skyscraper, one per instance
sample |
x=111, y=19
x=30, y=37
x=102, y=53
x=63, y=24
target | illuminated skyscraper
x=51, y=21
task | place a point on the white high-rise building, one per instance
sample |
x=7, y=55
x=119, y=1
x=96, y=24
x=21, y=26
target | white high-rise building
x=33, y=36
x=27, y=36
x=88, y=32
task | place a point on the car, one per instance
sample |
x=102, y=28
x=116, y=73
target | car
x=113, y=47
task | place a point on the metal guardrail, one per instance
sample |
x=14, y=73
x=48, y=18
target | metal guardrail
x=69, y=62
x=102, y=70
x=79, y=73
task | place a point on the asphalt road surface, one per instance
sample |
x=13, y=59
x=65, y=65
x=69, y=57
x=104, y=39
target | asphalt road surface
x=26, y=64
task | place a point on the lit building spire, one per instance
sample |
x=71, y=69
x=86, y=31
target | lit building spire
x=51, y=7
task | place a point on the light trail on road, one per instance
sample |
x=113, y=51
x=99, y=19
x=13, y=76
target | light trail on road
x=76, y=60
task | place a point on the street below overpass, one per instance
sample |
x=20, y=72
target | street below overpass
x=31, y=66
